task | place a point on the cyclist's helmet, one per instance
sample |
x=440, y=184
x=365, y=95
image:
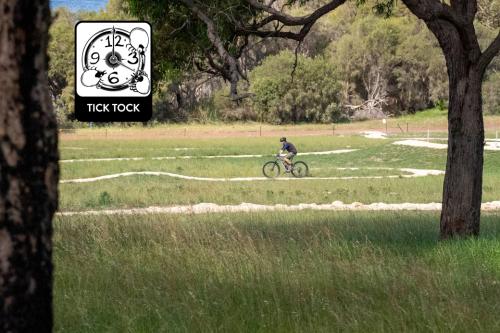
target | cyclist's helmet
x=283, y=139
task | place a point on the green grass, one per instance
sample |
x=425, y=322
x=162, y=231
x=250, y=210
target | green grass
x=427, y=115
x=107, y=148
x=268, y=272
x=274, y=272
x=373, y=157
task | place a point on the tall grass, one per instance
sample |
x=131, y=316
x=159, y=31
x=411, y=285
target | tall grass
x=274, y=272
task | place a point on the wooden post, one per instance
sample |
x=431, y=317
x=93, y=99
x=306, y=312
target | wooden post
x=407, y=127
x=402, y=130
x=260, y=130
x=185, y=131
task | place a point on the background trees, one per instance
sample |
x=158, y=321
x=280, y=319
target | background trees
x=410, y=72
x=61, y=69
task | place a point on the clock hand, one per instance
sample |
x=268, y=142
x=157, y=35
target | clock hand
x=121, y=63
x=113, y=41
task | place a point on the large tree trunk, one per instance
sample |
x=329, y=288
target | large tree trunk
x=454, y=29
x=462, y=193
x=453, y=25
x=28, y=168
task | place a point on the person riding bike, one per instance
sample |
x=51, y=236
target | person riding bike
x=292, y=151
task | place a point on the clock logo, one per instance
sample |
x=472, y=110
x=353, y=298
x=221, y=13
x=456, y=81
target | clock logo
x=113, y=59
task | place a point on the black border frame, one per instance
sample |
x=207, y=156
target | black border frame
x=114, y=117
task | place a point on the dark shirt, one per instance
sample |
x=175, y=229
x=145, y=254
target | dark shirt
x=289, y=147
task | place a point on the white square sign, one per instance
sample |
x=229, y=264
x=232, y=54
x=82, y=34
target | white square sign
x=113, y=60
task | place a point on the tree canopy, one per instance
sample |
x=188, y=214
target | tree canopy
x=409, y=75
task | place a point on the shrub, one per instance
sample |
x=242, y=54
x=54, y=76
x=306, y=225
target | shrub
x=491, y=98
x=311, y=95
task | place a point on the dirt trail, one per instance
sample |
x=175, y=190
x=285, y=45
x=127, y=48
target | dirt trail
x=413, y=173
x=490, y=144
x=374, y=135
x=204, y=208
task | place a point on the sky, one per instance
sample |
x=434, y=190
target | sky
x=75, y=5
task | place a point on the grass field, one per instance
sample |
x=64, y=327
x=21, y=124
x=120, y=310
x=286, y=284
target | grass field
x=281, y=271
x=287, y=272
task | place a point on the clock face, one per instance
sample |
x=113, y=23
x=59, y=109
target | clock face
x=114, y=59
x=117, y=62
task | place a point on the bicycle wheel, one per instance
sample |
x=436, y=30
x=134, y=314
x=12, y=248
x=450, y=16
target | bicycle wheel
x=300, y=169
x=271, y=169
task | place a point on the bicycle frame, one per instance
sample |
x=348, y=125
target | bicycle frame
x=281, y=158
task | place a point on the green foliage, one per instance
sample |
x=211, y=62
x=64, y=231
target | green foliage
x=491, y=95
x=60, y=48
x=104, y=199
x=311, y=95
x=380, y=7
x=224, y=109
x=486, y=31
x=354, y=50
x=116, y=10
x=441, y=105
x=421, y=69
x=61, y=65
x=180, y=37
x=489, y=13
x=396, y=58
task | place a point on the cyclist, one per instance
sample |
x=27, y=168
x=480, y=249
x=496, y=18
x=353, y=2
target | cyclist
x=292, y=151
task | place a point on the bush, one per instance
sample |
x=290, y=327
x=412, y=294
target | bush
x=311, y=95
x=491, y=98
x=227, y=110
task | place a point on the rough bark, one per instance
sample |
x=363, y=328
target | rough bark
x=462, y=189
x=463, y=181
x=28, y=168
x=453, y=26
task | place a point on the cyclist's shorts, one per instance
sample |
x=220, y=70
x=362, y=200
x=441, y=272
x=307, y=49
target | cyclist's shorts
x=290, y=155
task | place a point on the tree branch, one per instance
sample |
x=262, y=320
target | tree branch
x=431, y=11
x=233, y=72
x=289, y=20
x=306, y=21
x=489, y=54
x=298, y=36
x=466, y=8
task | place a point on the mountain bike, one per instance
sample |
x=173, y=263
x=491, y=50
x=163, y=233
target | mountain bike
x=272, y=169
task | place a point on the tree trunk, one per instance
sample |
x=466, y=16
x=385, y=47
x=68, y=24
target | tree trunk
x=462, y=193
x=29, y=171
